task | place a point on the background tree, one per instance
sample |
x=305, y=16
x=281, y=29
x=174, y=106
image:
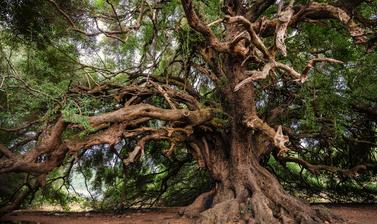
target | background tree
x=140, y=88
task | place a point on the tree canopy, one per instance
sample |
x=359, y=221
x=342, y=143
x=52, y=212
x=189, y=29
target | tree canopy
x=155, y=102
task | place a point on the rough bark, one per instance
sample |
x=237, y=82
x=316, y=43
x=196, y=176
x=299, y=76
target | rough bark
x=250, y=194
x=245, y=191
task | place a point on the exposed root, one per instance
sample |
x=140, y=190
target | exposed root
x=231, y=211
x=261, y=209
x=224, y=212
x=249, y=194
x=201, y=203
x=257, y=208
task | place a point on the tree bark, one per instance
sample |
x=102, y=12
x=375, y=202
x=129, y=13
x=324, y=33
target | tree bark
x=246, y=192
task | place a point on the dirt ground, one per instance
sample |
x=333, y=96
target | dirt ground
x=356, y=214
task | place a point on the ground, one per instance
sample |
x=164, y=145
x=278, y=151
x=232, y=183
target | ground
x=357, y=214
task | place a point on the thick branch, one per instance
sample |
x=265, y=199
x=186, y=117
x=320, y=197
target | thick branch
x=257, y=75
x=284, y=18
x=133, y=112
x=317, y=10
x=279, y=140
x=50, y=143
x=197, y=24
x=172, y=134
x=6, y=151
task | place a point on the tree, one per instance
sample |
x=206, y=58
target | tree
x=219, y=79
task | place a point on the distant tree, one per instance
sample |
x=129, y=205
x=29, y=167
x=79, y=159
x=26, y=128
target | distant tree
x=239, y=86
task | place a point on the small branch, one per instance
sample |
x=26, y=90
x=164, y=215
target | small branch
x=313, y=62
x=69, y=20
x=255, y=75
x=296, y=75
x=207, y=72
x=214, y=22
x=20, y=128
x=116, y=15
x=111, y=34
x=6, y=151
x=164, y=94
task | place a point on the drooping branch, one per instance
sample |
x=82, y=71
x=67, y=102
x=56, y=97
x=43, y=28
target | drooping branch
x=172, y=135
x=19, y=128
x=29, y=162
x=314, y=11
x=113, y=126
x=31, y=188
x=111, y=136
x=317, y=10
x=316, y=168
x=50, y=144
x=112, y=33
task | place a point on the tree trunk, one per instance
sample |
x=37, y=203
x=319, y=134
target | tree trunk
x=246, y=192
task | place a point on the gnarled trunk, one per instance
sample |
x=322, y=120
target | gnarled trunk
x=246, y=192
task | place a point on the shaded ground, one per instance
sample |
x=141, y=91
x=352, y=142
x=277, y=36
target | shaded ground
x=357, y=214
x=163, y=216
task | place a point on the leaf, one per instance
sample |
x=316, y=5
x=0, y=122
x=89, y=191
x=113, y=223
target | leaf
x=99, y=4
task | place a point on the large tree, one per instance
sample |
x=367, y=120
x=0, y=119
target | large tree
x=231, y=82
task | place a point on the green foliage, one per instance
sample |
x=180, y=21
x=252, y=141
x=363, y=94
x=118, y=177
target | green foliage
x=70, y=115
x=42, y=60
x=99, y=4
